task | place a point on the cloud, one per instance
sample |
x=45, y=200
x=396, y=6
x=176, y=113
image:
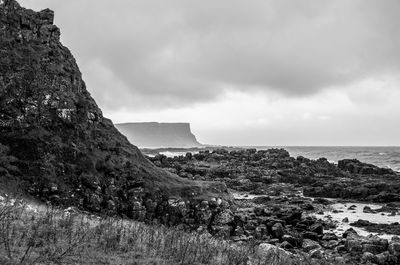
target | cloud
x=158, y=54
x=331, y=117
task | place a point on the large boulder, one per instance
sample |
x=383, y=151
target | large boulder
x=265, y=253
x=356, y=167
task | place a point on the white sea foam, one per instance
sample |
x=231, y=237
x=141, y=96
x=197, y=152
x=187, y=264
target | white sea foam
x=353, y=215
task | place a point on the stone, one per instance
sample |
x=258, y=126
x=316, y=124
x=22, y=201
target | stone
x=382, y=258
x=316, y=254
x=222, y=231
x=361, y=223
x=341, y=249
x=394, y=248
x=294, y=241
x=260, y=231
x=349, y=232
x=329, y=236
x=395, y=239
x=368, y=209
x=278, y=230
x=286, y=245
x=367, y=257
x=352, y=207
x=309, y=244
x=310, y=235
x=372, y=248
x=354, y=245
x=317, y=228
x=264, y=252
x=224, y=217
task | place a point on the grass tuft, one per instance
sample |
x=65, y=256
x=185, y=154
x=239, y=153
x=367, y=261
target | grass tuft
x=45, y=235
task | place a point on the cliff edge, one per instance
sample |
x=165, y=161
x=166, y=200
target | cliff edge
x=159, y=135
x=55, y=143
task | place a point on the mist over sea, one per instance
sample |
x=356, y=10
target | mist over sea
x=382, y=156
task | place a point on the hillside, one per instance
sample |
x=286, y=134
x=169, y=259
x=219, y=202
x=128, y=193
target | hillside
x=55, y=143
x=157, y=135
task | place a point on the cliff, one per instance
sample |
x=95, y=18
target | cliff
x=55, y=143
x=157, y=135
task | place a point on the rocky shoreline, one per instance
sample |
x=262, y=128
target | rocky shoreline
x=280, y=200
x=57, y=147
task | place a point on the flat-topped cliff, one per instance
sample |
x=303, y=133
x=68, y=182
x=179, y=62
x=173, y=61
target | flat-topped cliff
x=158, y=135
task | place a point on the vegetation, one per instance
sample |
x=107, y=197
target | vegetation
x=44, y=235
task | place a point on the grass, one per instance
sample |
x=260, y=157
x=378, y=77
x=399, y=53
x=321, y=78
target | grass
x=52, y=236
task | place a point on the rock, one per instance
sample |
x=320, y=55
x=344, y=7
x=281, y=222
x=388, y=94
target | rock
x=367, y=257
x=357, y=167
x=352, y=207
x=224, y=217
x=111, y=205
x=317, y=228
x=329, y=236
x=394, y=248
x=372, y=248
x=362, y=223
x=222, y=231
x=349, y=232
x=382, y=258
x=309, y=244
x=345, y=220
x=260, y=231
x=294, y=241
x=332, y=244
x=395, y=239
x=57, y=143
x=372, y=244
x=310, y=235
x=316, y=254
x=339, y=261
x=341, y=249
x=278, y=230
x=322, y=201
x=286, y=245
x=368, y=209
x=239, y=231
x=308, y=207
x=353, y=245
x=262, y=200
x=264, y=252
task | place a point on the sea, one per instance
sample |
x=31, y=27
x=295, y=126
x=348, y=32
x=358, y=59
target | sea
x=382, y=156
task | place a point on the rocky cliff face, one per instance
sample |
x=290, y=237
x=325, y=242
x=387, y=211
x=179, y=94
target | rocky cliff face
x=54, y=141
x=157, y=135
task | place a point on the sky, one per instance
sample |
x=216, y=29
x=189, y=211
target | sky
x=255, y=72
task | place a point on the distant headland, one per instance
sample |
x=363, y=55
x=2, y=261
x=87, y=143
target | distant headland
x=159, y=135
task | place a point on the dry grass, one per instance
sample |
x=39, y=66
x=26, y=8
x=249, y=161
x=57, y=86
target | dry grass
x=52, y=236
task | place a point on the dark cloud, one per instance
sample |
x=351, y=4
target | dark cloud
x=180, y=52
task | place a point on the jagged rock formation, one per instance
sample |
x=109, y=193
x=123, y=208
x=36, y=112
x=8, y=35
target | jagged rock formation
x=54, y=141
x=158, y=135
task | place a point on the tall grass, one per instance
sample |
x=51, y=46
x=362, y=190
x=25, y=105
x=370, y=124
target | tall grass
x=53, y=236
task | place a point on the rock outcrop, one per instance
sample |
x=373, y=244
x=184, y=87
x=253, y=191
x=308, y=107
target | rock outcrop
x=55, y=143
x=159, y=135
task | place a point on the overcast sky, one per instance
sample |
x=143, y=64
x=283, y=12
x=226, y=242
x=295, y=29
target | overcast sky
x=243, y=72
